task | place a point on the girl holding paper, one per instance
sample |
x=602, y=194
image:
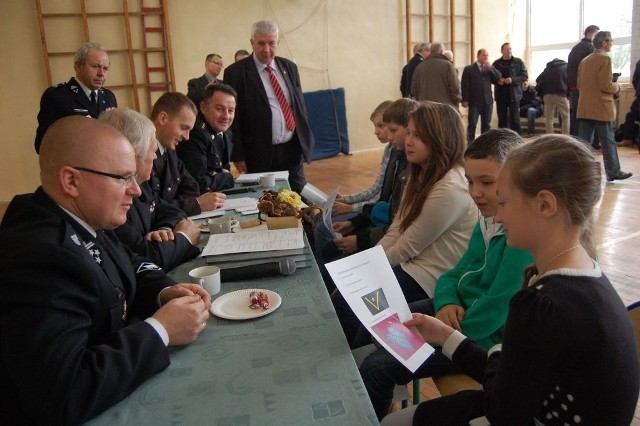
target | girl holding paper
x=568, y=354
x=433, y=225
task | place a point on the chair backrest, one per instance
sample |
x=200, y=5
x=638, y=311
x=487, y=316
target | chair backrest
x=634, y=313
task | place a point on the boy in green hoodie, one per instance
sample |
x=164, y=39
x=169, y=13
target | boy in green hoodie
x=473, y=297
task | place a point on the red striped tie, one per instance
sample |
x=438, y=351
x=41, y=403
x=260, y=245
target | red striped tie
x=284, y=105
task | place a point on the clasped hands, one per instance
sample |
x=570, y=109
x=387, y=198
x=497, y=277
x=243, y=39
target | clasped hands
x=166, y=234
x=184, y=312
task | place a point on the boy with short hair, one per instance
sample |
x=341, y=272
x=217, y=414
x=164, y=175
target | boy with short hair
x=473, y=297
x=353, y=203
x=366, y=229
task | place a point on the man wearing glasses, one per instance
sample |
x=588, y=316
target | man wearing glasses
x=213, y=67
x=83, y=94
x=69, y=346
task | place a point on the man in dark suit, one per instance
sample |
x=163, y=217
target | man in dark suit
x=213, y=67
x=154, y=228
x=174, y=115
x=421, y=52
x=82, y=95
x=271, y=131
x=476, y=93
x=70, y=347
x=207, y=153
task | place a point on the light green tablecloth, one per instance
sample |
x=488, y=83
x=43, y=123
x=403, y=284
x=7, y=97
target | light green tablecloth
x=291, y=367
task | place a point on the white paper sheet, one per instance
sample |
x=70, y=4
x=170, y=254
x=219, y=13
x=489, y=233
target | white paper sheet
x=368, y=284
x=328, y=209
x=244, y=242
x=313, y=194
x=239, y=203
x=255, y=177
x=210, y=213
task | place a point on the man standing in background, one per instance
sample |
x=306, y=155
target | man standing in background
x=509, y=88
x=552, y=86
x=436, y=79
x=270, y=131
x=577, y=54
x=421, y=51
x=476, y=93
x=213, y=67
x=83, y=95
x=596, y=108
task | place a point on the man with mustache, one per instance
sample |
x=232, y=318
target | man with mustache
x=83, y=94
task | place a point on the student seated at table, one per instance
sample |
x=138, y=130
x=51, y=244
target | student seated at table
x=154, y=228
x=568, y=354
x=473, y=297
x=365, y=229
x=435, y=218
x=353, y=203
x=69, y=345
x=174, y=115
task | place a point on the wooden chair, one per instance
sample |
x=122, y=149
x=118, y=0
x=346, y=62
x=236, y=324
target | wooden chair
x=453, y=383
x=634, y=313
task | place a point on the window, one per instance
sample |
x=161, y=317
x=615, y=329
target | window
x=556, y=26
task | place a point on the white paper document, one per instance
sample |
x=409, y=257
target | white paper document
x=255, y=177
x=210, y=213
x=368, y=284
x=245, y=242
x=328, y=209
x=242, y=203
x=313, y=194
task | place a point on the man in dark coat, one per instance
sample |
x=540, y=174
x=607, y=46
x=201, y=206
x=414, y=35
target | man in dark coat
x=207, y=153
x=174, y=116
x=83, y=95
x=508, y=89
x=578, y=52
x=271, y=131
x=69, y=345
x=213, y=66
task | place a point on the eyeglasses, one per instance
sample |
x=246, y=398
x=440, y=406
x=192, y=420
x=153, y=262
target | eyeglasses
x=127, y=181
x=216, y=62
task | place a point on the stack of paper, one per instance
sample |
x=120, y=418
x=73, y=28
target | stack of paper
x=235, y=250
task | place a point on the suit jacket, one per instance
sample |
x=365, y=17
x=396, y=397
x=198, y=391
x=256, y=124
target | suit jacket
x=407, y=75
x=150, y=213
x=69, y=99
x=172, y=182
x=252, y=123
x=435, y=79
x=66, y=353
x=596, y=88
x=476, y=86
x=201, y=159
x=196, y=86
x=576, y=55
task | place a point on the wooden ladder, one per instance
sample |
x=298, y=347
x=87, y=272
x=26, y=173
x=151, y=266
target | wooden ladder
x=153, y=49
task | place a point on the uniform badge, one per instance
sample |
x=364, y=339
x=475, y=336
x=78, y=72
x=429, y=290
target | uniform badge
x=147, y=266
x=94, y=251
x=74, y=88
x=75, y=239
x=152, y=206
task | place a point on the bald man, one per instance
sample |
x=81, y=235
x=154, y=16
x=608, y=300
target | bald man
x=68, y=346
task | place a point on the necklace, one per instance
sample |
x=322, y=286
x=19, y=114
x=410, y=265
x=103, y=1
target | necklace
x=557, y=256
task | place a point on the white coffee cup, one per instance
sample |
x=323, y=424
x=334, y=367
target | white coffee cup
x=222, y=225
x=208, y=277
x=268, y=180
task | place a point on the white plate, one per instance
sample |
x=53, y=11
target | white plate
x=235, y=305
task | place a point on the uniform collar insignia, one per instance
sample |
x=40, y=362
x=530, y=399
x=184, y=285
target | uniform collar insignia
x=74, y=88
x=152, y=206
x=204, y=125
x=94, y=251
x=75, y=239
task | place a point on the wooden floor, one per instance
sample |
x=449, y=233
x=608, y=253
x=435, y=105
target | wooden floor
x=617, y=219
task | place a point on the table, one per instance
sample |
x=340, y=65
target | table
x=291, y=367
